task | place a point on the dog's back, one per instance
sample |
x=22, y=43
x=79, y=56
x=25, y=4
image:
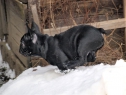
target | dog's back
x=70, y=39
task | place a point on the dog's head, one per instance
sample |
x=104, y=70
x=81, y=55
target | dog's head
x=28, y=41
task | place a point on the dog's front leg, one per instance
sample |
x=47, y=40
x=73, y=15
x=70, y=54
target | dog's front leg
x=62, y=66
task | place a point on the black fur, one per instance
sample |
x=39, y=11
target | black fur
x=69, y=49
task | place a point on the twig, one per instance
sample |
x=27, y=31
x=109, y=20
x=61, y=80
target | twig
x=73, y=19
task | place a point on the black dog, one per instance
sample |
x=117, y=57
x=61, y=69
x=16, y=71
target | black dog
x=69, y=49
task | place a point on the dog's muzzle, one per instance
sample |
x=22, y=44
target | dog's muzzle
x=24, y=52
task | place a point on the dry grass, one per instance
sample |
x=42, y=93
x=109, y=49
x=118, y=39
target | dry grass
x=59, y=13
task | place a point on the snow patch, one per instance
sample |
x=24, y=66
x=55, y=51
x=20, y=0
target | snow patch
x=92, y=80
x=5, y=71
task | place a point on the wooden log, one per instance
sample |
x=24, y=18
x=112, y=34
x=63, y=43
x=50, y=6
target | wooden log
x=34, y=13
x=110, y=24
x=1, y=33
x=17, y=7
x=17, y=22
x=3, y=18
x=124, y=4
x=12, y=60
x=16, y=35
x=16, y=27
x=16, y=15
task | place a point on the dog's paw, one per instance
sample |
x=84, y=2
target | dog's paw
x=68, y=65
x=64, y=71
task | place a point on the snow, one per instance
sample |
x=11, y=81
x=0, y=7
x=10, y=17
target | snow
x=115, y=79
x=8, y=72
x=92, y=80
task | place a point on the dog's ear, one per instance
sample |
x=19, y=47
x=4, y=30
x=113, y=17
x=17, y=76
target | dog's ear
x=35, y=38
x=35, y=28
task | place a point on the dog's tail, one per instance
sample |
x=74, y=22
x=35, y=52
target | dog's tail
x=102, y=30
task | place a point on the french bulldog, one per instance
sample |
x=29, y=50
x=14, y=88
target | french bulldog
x=67, y=50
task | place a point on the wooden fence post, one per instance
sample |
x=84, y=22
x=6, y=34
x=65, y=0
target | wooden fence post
x=34, y=13
x=124, y=8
